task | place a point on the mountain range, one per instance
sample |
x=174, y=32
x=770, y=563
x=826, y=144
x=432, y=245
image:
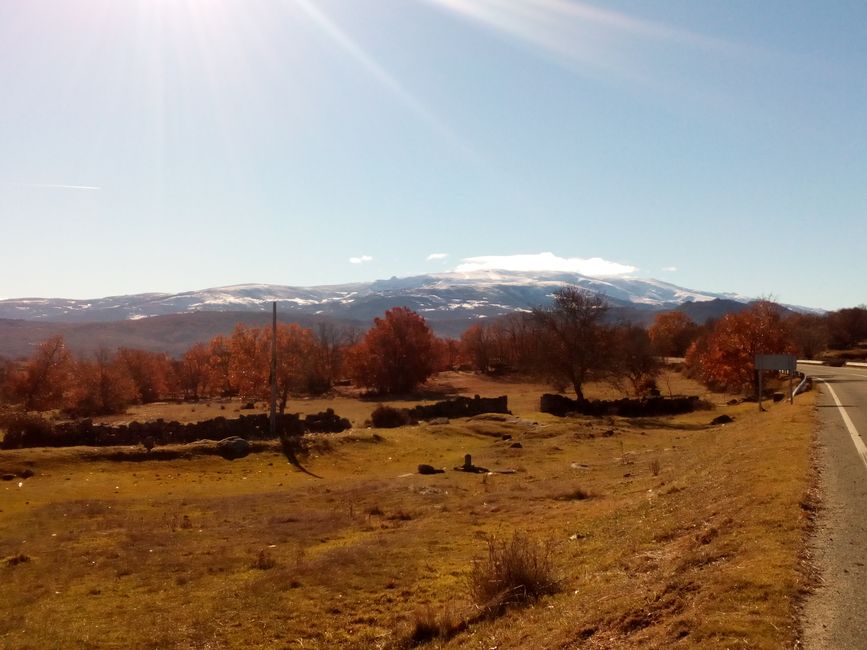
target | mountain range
x=449, y=301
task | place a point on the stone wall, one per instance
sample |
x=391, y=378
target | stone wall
x=560, y=405
x=162, y=432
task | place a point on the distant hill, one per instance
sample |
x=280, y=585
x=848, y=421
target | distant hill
x=449, y=301
x=481, y=293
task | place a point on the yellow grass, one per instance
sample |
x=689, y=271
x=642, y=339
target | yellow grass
x=690, y=536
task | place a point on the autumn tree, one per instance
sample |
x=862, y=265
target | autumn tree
x=847, y=327
x=150, y=373
x=634, y=361
x=810, y=334
x=477, y=347
x=192, y=371
x=7, y=371
x=248, y=361
x=573, y=336
x=331, y=343
x=100, y=386
x=671, y=333
x=725, y=357
x=303, y=367
x=43, y=380
x=220, y=380
x=300, y=366
x=396, y=354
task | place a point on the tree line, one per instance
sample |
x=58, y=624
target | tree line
x=568, y=343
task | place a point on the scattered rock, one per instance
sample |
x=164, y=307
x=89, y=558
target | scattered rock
x=505, y=436
x=429, y=469
x=516, y=445
x=733, y=402
x=25, y=473
x=233, y=447
x=722, y=419
x=469, y=467
x=7, y=477
x=608, y=433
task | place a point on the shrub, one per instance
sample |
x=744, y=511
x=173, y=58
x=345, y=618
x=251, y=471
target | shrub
x=25, y=430
x=514, y=572
x=429, y=625
x=387, y=417
x=263, y=561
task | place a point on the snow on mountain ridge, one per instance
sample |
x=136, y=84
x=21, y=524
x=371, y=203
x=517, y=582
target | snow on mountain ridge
x=487, y=292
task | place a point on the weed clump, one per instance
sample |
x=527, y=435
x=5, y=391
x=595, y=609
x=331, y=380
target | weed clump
x=512, y=573
x=15, y=560
x=578, y=494
x=428, y=625
x=388, y=417
x=264, y=561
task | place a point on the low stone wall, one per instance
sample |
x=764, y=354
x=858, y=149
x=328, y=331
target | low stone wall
x=561, y=405
x=162, y=432
x=461, y=407
x=388, y=417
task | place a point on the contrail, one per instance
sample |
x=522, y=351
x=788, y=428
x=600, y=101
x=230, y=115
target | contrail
x=58, y=186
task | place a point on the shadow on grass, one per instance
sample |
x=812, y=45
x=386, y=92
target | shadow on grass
x=654, y=423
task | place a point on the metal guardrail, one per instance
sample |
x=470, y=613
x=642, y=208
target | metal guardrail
x=801, y=386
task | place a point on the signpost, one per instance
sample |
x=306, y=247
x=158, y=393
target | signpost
x=784, y=362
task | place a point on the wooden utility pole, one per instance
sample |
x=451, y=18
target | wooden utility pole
x=274, y=370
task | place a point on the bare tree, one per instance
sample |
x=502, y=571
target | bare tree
x=574, y=336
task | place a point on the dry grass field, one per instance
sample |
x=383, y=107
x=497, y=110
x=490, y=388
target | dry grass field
x=660, y=533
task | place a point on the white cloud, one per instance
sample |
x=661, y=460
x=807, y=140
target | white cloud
x=669, y=269
x=594, y=266
x=360, y=260
x=437, y=256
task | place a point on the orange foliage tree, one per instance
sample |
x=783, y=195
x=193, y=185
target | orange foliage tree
x=725, y=357
x=301, y=365
x=477, y=347
x=671, y=333
x=396, y=355
x=220, y=380
x=101, y=386
x=193, y=370
x=43, y=380
x=150, y=372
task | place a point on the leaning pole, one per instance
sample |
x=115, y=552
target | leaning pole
x=273, y=420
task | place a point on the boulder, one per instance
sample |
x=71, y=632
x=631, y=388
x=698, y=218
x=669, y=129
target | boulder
x=722, y=419
x=429, y=469
x=233, y=447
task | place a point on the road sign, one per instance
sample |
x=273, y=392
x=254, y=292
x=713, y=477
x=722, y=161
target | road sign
x=787, y=362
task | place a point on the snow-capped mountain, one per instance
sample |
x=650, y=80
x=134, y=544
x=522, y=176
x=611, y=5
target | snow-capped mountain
x=437, y=296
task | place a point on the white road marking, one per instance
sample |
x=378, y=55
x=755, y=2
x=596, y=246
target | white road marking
x=856, y=438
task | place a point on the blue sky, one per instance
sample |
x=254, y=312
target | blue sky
x=169, y=145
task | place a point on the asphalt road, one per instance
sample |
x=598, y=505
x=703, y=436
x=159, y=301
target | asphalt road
x=835, y=616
